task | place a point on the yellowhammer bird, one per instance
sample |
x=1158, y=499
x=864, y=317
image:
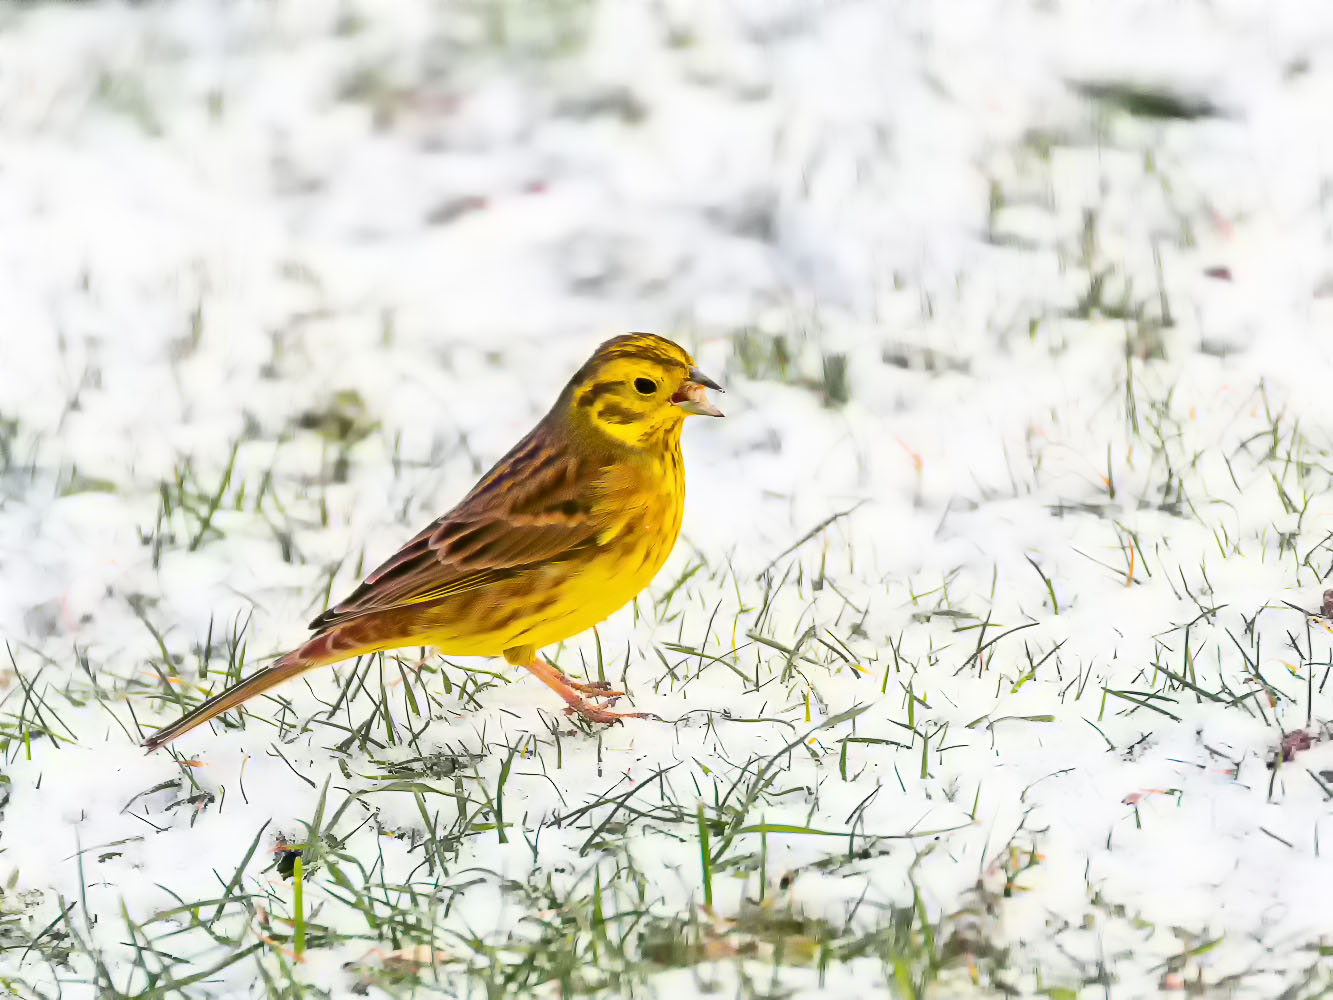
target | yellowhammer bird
x=567, y=528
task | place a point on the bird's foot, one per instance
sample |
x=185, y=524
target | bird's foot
x=572, y=692
x=598, y=689
x=593, y=712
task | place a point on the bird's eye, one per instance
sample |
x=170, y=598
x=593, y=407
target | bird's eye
x=645, y=385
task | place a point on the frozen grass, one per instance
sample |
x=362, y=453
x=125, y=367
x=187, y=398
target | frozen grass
x=990, y=661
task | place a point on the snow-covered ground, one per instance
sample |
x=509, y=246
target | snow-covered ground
x=977, y=656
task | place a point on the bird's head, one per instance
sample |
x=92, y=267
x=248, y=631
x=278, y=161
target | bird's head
x=638, y=388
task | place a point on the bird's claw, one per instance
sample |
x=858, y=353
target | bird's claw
x=599, y=689
x=592, y=712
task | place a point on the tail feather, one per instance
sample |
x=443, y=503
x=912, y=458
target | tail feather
x=365, y=635
x=282, y=669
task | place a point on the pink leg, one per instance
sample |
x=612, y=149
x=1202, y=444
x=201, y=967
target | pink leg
x=571, y=693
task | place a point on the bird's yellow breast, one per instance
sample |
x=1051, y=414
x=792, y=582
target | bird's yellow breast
x=638, y=508
x=642, y=509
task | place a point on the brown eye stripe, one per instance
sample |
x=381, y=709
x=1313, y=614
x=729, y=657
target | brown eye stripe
x=640, y=347
x=596, y=391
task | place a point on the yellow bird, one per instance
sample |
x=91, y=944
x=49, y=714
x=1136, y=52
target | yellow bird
x=563, y=531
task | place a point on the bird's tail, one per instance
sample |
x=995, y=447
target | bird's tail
x=315, y=653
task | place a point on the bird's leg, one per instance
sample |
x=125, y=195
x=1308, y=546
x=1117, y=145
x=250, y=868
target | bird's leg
x=567, y=690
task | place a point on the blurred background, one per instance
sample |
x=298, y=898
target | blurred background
x=1022, y=308
x=200, y=191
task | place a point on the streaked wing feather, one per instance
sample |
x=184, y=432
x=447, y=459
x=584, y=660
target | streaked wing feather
x=526, y=512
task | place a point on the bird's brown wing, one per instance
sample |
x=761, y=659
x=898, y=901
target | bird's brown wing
x=531, y=509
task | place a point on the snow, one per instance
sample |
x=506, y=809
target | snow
x=215, y=217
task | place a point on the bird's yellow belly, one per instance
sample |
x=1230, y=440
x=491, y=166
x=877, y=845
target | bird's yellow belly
x=550, y=605
x=596, y=593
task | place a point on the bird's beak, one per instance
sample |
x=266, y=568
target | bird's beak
x=692, y=396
